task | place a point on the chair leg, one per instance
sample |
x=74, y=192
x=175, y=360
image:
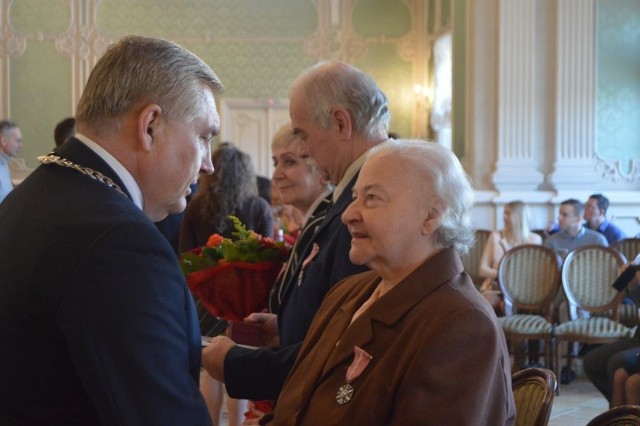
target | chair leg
x=518, y=354
x=557, y=347
x=571, y=353
x=547, y=353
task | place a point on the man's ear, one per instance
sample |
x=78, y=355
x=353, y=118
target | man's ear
x=148, y=125
x=342, y=119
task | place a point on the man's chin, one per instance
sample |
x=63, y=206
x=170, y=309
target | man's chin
x=177, y=207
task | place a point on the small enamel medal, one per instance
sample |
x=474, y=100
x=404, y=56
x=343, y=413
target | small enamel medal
x=345, y=393
x=360, y=361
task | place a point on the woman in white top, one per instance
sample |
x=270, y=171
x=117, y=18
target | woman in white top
x=516, y=232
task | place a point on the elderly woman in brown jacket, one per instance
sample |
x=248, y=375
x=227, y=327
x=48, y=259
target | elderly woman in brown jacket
x=412, y=341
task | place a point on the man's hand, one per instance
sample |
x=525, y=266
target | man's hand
x=213, y=356
x=269, y=326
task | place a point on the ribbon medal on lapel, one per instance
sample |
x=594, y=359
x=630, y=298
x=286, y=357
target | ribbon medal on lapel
x=360, y=361
x=314, y=251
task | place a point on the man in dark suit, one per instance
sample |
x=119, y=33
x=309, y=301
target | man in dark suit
x=96, y=321
x=340, y=113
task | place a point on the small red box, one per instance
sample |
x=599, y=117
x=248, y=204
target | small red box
x=245, y=333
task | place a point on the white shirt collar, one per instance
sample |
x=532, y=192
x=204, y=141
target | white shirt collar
x=348, y=175
x=121, y=171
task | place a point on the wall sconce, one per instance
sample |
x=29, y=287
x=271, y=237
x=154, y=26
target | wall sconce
x=422, y=96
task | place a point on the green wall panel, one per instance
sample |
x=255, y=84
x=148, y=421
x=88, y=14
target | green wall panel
x=38, y=16
x=252, y=69
x=382, y=17
x=618, y=99
x=215, y=18
x=393, y=75
x=39, y=99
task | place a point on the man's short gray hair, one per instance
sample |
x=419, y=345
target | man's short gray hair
x=139, y=71
x=446, y=183
x=6, y=125
x=330, y=85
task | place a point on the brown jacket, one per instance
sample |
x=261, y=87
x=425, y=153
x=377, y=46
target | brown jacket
x=439, y=355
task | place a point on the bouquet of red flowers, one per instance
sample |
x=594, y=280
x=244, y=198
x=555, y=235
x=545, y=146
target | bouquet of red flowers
x=233, y=277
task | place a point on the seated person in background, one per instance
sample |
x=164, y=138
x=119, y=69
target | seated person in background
x=614, y=368
x=573, y=233
x=595, y=211
x=393, y=345
x=64, y=130
x=516, y=232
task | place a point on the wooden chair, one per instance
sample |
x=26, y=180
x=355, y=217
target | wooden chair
x=542, y=232
x=471, y=260
x=624, y=415
x=629, y=247
x=529, y=277
x=533, y=391
x=587, y=275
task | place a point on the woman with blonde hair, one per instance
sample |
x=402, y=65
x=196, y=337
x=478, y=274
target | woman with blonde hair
x=516, y=232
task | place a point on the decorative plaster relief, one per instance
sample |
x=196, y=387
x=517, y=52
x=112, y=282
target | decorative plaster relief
x=11, y=44
x=612, y=170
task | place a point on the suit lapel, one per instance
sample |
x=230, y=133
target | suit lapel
x=359, y=333
x=334, y=213
x=326, y=353
x=388, y=310
x=282, y=288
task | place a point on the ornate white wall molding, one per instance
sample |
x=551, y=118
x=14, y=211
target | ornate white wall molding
x=11, y=44
x=335, y=37
x=612, y=170
x=575, y=95
x=83, y=43
x=515, y=167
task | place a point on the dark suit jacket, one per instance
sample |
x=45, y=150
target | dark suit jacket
x=96, y=322
x=439, y=355
x=259, y=374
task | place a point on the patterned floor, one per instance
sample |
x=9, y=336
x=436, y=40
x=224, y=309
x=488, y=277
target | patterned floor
x=577, y=404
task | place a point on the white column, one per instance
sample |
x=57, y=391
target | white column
x=516, y=167
x=575, y=119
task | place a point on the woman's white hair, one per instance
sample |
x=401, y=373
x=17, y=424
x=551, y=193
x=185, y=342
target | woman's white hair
x=446, y=185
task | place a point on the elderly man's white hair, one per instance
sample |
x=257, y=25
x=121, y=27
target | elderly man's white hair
x=446, y=183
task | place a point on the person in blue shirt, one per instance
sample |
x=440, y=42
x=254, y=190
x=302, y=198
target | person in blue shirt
x=595, y=212
x=573, y=233
x=10, y=146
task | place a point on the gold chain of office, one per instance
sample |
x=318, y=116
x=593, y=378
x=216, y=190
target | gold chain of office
x=93, y=174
